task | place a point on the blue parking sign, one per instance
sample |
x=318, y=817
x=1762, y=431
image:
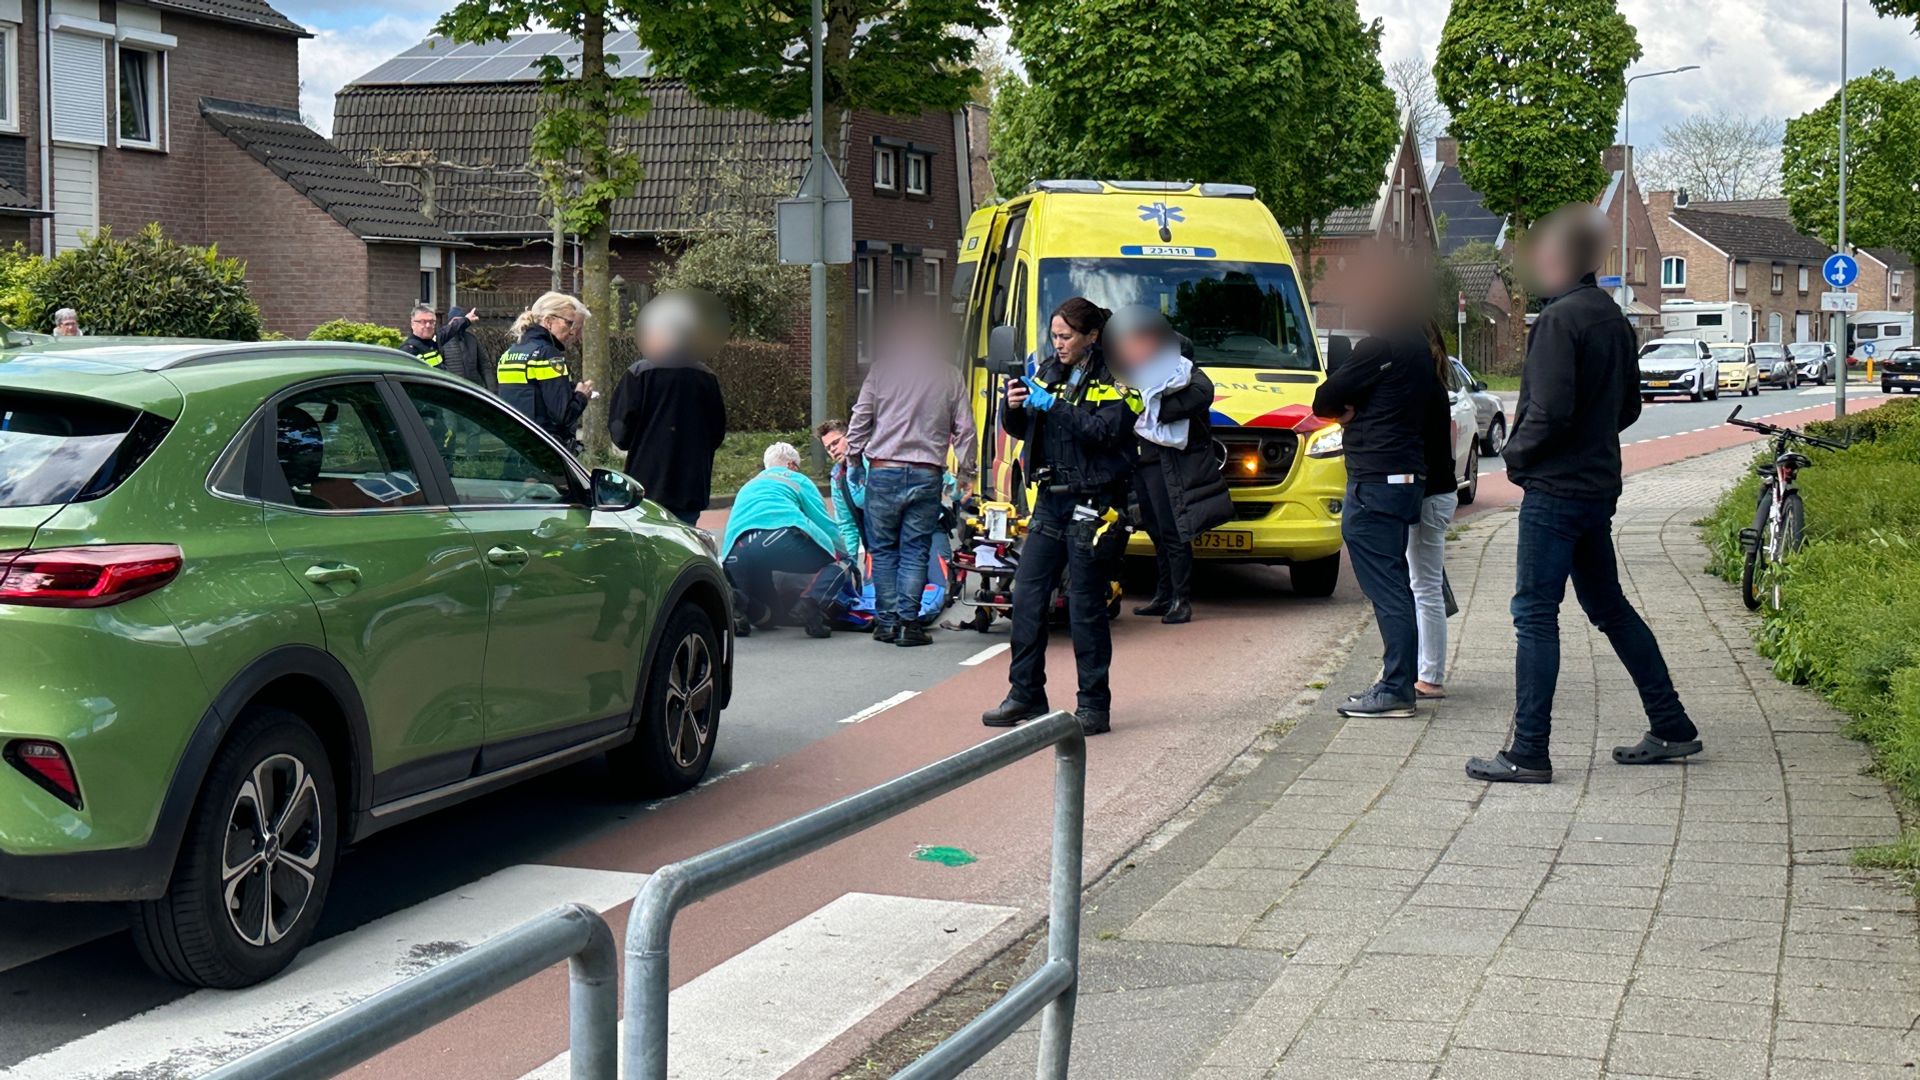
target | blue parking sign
x=1840, y=270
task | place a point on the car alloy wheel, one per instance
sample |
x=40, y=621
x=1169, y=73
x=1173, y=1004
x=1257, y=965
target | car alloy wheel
x=273, y=846
x=689, y=700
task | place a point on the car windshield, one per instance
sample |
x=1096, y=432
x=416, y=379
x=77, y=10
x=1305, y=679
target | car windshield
x=1729, y=352
x=1769, y=352
x=1808, y=349
x=51, y=447
x=1237, y=314
x=1671, y=350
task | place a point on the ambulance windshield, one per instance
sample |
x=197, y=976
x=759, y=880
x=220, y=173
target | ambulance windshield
x=1237, y=314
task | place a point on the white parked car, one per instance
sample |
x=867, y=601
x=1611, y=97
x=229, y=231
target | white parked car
x=1489, y=412
x=1678, y=366
x=1815, y=359
x=1466, y=432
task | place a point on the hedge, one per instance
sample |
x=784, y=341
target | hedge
x=1849, y=621
x=357, y=332
x=147, y=285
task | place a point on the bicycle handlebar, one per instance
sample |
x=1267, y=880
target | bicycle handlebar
x=1785, y=433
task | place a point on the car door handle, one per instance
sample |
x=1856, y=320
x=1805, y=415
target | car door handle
x=333, y=574
x=508, y=556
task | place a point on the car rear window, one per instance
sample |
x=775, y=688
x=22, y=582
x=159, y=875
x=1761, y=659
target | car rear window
x=56, y=450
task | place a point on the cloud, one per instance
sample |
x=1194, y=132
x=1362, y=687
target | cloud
x=349, y=41
x=1761, y=58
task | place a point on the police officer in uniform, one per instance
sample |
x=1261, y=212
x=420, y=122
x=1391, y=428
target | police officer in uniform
x=1077, y=423
x=422, y=343
x=532, y=374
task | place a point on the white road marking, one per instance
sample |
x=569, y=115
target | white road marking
x=211, y=1027
x=770, y=1008
x=879, y=707
x=985, y=655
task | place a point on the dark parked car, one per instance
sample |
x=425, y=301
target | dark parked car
x=1777, y=368
x=1901, y=370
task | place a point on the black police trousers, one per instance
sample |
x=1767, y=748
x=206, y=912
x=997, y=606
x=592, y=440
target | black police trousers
x=1053, y=548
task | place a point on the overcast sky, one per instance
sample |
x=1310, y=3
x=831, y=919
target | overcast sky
x=1775, y=58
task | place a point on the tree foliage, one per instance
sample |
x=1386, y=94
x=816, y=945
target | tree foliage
x=732, y=251
x=1714, y=156
x=1883, y=164
x=1899, y=9
x=147, y=285
x=1333, y=148
x=1535, y=88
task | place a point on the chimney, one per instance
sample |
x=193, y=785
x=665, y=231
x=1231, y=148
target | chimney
x=1446, y=151
x=1661, y=203
x=1613, y=158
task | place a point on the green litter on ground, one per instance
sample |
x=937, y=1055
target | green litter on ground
x=945, y=856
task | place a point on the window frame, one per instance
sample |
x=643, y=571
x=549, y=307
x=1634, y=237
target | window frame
x=914, y=158
x=256, y=475
x=900, y=279
x=886, y=179
x=1639, y=266
x=1677, y=279
x=930, y=280
x=1894, y=281
x=1739, y=276
x=156, y=79
x=1778, y=279
x=581, y=497
x=430, y=284
x=866, y=272
x=10, y=97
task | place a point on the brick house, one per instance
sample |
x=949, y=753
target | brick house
x=1399, y=218
x=1464, y=220
x=1750, y=254
x=185, y=113
x=471, y=110
x=1641, y=258
x=1886, y=280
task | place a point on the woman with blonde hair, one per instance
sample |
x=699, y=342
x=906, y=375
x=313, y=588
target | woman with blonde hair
x=532, y=374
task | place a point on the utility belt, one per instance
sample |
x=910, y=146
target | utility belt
x=1087, y=513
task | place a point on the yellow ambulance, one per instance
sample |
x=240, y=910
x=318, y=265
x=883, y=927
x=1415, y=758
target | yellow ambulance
x=1213, y=259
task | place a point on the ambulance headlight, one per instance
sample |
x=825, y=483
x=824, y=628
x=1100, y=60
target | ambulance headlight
x=1332, y=442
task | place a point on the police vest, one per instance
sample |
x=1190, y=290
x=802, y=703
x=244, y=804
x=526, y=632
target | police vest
x=519, y=366
x=422, y=350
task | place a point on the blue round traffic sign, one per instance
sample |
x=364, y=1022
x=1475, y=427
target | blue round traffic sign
x=1867, y=349
x=1839, y=270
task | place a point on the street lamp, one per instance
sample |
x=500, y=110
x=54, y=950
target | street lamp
x=1626, y=162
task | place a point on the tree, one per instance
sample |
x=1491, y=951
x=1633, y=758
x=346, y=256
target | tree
x=1883, y=164
x=1715, y=156
x=1119, y=88
x=991, y=61
x=1334, y=146
x=1899, y=8
x=574, y=154
x=1411, y=78
x=898, y=57
x=731, y=250
x=1534, y=87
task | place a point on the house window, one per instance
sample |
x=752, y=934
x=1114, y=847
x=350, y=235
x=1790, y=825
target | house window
x=1673, y=272
x=77, y=68
x=1779, y=278
x=1740, y=275
x=1776, y=327
x=1803, y=279
x=142, y=90
x=917, y=171
x=9, y=77
x=1612, y=269
x=902, y=279
x=1640, y=265
x=1893, y=284
x=883, y=166
x=865, y=269
x=430, y=287
x=930, y=282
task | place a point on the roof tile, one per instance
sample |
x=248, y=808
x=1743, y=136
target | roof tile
x=1752, y=236
x=250, y=12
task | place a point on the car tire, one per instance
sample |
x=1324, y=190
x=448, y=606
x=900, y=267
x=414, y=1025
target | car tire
x=1316, y=577
x=205, y=930
x=1695, y=396
x=1496, y=439
x=1472, y=489
x=1713, y=394
x=679, y=711
x=1647, y=398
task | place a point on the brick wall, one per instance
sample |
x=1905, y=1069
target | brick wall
x=214, y=59
x=1711, y=279
x=303, y=267
x=29, y=75
x=393, y=283
x=1706, y=265
x=1874, y=288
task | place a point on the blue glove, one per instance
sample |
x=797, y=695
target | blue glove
x=1038, y=396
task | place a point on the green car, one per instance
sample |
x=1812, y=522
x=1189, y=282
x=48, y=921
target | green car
x=258, y=601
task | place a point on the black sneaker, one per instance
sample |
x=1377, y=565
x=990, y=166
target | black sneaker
x=815, y=621
x=885, y=633
x=1500, y=770
x=1180, y=612
x=1093, y=721
x=1012, y=713
x=911, y=635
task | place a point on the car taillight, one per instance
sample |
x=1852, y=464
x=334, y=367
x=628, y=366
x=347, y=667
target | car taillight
x=46, y=764
x=86, y=577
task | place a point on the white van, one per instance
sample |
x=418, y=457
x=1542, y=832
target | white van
x=1877, y=333
x=1707, y=321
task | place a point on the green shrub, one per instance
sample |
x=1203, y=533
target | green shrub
x=360, y=332
x=147, y=286
x=765, y=390
x=1869, y=425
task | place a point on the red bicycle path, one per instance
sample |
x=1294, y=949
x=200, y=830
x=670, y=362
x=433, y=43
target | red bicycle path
x=1188, y=700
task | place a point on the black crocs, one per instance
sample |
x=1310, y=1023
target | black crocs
x=1500, y=770
x=1651, y=750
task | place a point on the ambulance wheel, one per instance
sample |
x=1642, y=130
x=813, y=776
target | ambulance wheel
x=1316, y=577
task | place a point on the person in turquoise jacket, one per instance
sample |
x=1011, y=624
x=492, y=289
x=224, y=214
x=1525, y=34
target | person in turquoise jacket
x=779, y=524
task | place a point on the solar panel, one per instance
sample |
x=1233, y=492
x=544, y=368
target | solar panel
x=451, y=69
x=394, y=71
x=440, y=60
x=503, y=69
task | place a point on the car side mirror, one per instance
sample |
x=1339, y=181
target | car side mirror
x=1339, y=351
x=1479, y=386
x=616, y=491
x=1003, y=352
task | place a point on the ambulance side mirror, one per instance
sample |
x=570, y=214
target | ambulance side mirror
x=1003, y=353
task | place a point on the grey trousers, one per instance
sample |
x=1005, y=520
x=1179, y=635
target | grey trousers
x=1427, y=563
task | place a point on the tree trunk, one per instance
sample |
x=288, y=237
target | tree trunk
x=596, y=364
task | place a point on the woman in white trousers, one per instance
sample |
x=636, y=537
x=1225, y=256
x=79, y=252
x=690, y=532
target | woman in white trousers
x=1427, y=558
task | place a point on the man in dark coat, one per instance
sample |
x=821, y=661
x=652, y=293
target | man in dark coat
x=1579, y=389
x=668, y=413
x=461, y=352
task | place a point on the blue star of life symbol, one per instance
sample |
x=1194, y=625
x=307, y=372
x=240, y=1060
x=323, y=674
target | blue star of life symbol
x=1161, y=214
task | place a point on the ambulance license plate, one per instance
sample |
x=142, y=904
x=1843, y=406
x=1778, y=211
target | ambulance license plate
x=1223, y=541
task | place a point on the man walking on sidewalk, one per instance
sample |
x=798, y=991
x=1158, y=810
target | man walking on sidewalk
x=1580, y=388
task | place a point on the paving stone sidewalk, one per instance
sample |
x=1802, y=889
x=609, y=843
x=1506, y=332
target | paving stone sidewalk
x=1349, y=906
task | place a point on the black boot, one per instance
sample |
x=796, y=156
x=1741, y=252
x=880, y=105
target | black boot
x=1012, y=713
x=1093, y=721
x=912, y=634
x=1180, y=612
x=815, y=621
x=1155, y=608
x=885, y=633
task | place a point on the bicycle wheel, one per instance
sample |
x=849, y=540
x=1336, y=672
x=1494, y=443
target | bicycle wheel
x=1793, y=525
x=1750, y=581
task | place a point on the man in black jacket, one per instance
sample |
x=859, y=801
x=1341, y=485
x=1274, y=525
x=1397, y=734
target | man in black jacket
x=668, y=413
x=1580, y=388
x=1389, y=396
x=461, y=352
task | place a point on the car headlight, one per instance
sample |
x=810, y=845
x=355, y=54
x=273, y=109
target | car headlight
x=1331, y=443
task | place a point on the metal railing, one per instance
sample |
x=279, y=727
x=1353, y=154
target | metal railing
x=572, y=933
x=578, y=935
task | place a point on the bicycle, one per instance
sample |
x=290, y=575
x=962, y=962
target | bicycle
x=1780, y=517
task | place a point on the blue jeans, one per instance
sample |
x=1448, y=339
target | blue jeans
x=758, y=554
x=903, y=513
x=1374, y=526
x=1573, y=538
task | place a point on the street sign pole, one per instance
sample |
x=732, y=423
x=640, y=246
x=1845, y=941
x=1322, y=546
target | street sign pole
x=817, y=272
x=1840, y=320
x=1460, y=322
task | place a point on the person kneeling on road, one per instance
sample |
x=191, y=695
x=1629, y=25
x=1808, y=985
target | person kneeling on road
x=1077, y=424
x=779, y=524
